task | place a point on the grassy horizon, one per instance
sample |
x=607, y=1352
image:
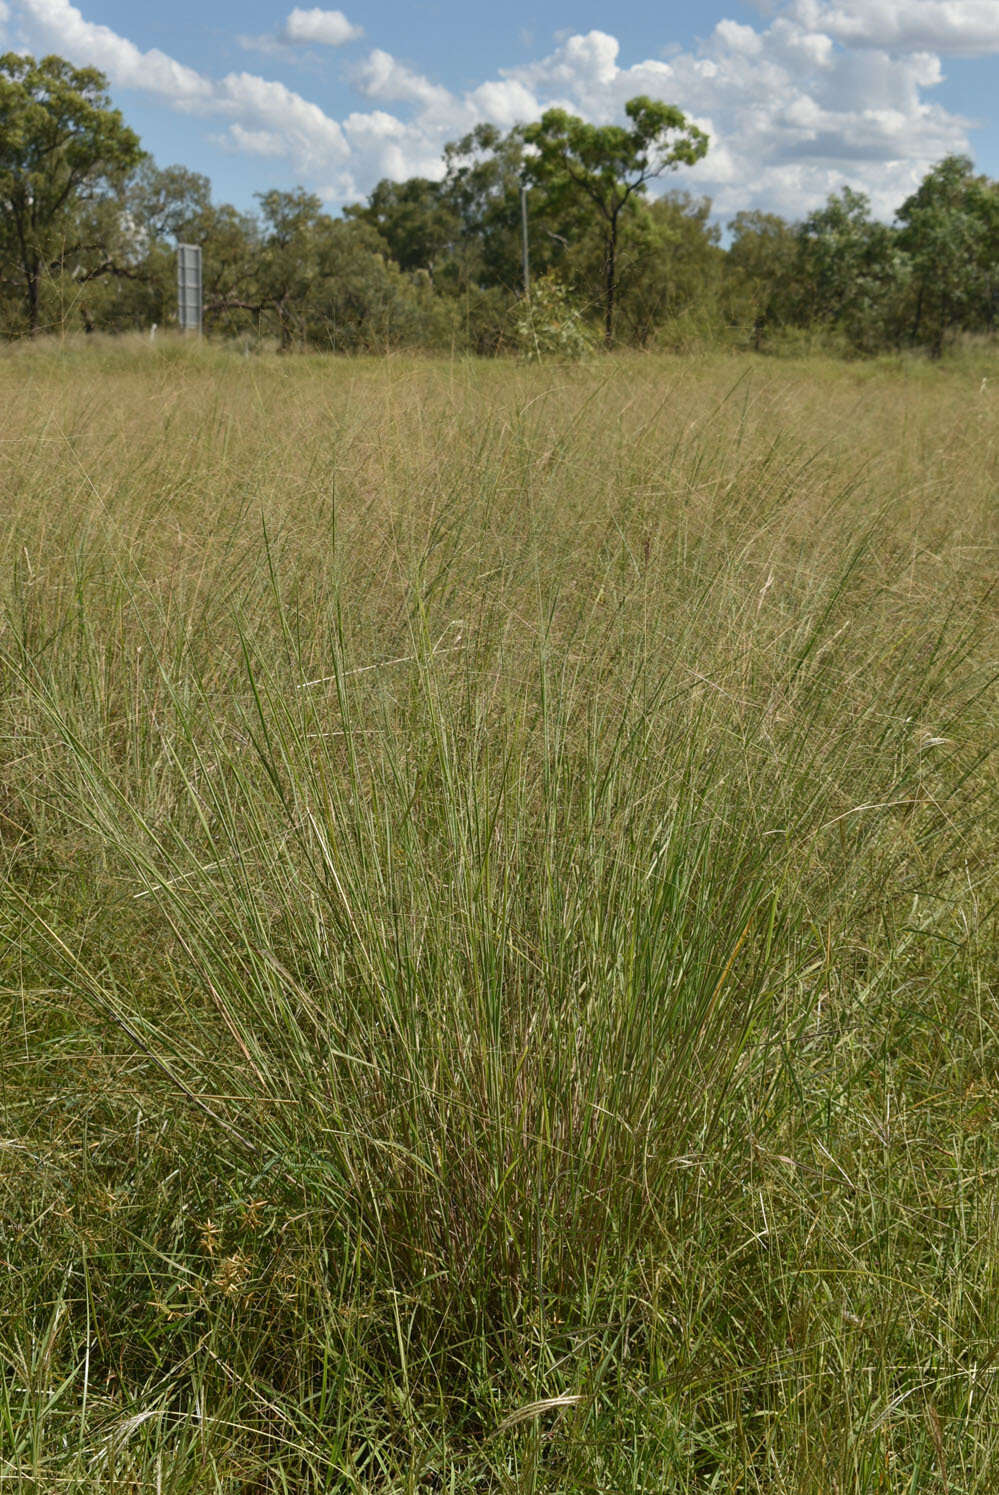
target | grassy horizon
x=497, y=940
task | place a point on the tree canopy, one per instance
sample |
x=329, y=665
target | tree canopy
x=89, y=226
x=62, y=147
x=607, y=166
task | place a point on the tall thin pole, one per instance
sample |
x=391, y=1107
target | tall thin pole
x=523, y=234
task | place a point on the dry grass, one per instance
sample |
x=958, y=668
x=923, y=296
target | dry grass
x=498, y=924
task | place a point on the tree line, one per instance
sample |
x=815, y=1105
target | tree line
x=89, y=225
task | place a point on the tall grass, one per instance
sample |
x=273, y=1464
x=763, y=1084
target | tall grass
x=498, y=926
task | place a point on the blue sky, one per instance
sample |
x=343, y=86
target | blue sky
x=798, y=96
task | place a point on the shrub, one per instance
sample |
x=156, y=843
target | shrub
x=548, y=324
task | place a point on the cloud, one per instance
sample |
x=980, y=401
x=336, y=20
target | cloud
x=505, y=103
x=254, y=142
x=380, y=76
x=821, y=94
x=792, y=114
x=739, y=38
x=961, y=27
x=312, y=140
x=327, y=28
x=264, y=113
x=84, y=41
x=303, y=28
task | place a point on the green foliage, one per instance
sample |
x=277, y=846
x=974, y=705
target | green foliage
x=606, y=167
x=548, y=325
x=415, y=222
x=950, y=232
x=320, y=282
x=759, y=273
x=868, y=285
x=669, y=267
x=484, y=171
x=63, y=151
x=849, y=272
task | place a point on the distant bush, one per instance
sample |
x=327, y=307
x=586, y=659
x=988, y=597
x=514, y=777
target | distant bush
x=547, y=323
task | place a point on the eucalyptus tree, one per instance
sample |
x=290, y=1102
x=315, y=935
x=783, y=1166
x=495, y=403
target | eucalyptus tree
x=416, y=222
x=759, y=274
x=950, y=231
x=669, y=268
x=607, y=168
x=849, y=271
x=63, y=149
x=484, y=171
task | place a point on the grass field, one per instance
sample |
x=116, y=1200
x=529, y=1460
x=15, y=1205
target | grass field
x=498, y=926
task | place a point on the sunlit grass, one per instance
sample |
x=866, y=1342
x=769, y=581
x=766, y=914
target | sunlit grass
x=498, y=925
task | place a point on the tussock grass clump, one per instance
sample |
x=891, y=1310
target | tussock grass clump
x=498, y=926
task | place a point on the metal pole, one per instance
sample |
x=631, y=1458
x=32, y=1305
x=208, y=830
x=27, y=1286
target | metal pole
x=524, y=248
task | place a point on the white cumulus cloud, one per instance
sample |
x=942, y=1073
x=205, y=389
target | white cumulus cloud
x=312, y=139
x=380, y=76
x=968, y=27
x=304, y=28
x=739, y=38
x=263, y=112
x=328, y=28
x=84, y=41
x=504, y=102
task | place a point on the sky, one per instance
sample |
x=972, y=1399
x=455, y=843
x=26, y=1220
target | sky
x=799, y=97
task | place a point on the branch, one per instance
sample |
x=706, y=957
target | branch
x=235, y=303
x=109, y=267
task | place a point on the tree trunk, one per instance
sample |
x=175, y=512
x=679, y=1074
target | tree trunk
x=32, y=279
x=919, y=314
x=943, y=322
x=285, y=325
x=610, y=283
